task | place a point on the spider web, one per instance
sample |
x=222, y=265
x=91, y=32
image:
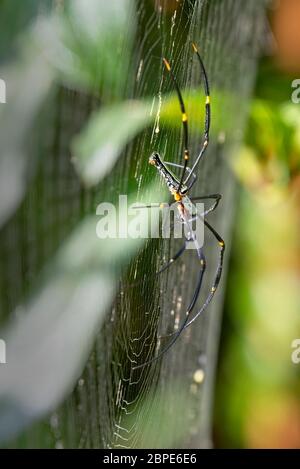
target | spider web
x=114, y=405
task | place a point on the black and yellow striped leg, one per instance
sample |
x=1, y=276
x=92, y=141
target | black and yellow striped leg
x=172, y=260
x=182, y=327
x=216, y=279
x=207, y=114
x=202, y=269
x=166, y=266
x=184, y=123
x=188, y=311
x=217, y=275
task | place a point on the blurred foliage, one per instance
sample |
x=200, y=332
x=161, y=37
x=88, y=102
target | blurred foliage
x=89, y=44
x=96, y=149
x=20, y=15
x=17, y=120
x=50, y=335
x=85, y=46
x=258, y=401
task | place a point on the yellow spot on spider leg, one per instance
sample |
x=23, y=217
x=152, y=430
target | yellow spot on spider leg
x=207, y=100
x=213, y=289
x=177, y=196
x=194, y=47
x=168, y=66
x=184, y=117
x=221, y=243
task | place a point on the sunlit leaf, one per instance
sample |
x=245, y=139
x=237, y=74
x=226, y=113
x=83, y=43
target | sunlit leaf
x=97, y=147
x=89, y=44
x=84, y=44
x=18, y=16
x=28, y=82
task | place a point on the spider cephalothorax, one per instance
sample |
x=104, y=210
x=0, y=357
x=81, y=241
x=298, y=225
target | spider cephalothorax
x=171, y=180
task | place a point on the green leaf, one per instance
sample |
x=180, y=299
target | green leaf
x=99, y=145
x=89, y=44
x=28, y=82
x=16, y=16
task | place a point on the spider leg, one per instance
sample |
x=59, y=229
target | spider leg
x=217, y=275
x=170, y=261
x=216, y=197
x=154, y=205
x=188, y=170
x=162, y=269
x=188, y=312
x=184, y=123
x=216, y=279
x=167, y=264
x=207, y=114
x=202, y=272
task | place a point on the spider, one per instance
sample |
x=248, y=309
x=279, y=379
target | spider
x=180, y=188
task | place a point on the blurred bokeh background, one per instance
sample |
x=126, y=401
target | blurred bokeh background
x=258, y=385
